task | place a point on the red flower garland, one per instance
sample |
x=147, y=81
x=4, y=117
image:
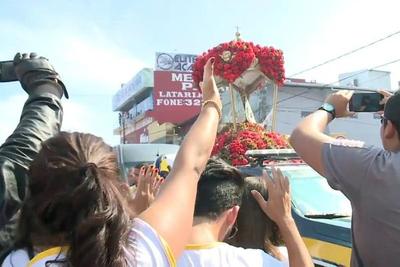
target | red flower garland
x=235, y=57
x=232, y=147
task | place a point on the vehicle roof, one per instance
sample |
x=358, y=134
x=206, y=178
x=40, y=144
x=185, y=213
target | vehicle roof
x=144, y=152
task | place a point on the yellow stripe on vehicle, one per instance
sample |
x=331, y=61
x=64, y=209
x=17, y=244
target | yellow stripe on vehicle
x=328, y=251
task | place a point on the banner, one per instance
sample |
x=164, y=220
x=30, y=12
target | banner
x=175, y=98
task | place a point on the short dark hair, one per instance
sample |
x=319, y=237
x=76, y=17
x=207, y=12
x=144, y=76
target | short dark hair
x=220, y=188
x=392, y=110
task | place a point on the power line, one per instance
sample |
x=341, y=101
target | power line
x=346, y=54
x=345, y=78
x=370, y=80
x=360, y=72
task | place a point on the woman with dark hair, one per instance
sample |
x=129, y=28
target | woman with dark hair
x=254, y=228
x=79, y=213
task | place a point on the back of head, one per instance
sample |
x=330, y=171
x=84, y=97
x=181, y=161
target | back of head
x=392, y=110
x=75, y=200
x=255, y=229
x=220, y=188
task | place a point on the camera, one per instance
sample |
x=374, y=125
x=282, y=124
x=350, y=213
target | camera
x=7, y=72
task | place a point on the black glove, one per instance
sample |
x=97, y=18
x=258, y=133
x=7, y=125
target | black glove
x=37, y=75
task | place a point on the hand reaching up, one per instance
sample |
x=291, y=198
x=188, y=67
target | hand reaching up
x=278, y=206
x=148, y=186
x=209, y=86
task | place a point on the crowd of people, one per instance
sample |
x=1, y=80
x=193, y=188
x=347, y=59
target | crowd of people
x=63, y=203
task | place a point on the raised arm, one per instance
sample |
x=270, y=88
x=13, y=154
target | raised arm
x=40, y=119
x=308, y=138
x=278, y=208
x=171, y=214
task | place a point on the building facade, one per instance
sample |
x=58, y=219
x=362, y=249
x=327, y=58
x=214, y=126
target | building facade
x=297, y=100
x=155, y=101
x=372, y=79
x=159, y=106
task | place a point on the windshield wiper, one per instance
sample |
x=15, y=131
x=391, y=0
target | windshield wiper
x=326, y=216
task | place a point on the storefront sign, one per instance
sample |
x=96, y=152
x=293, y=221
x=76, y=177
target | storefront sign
x=175, y=98
x=174, y=62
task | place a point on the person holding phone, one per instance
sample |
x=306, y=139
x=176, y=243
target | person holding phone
x=79, y=212
x=41, y=119
x=369, y=176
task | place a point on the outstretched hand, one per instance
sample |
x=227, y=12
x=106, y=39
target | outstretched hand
x=148, y=186
x=208, y=85
x=278, y=206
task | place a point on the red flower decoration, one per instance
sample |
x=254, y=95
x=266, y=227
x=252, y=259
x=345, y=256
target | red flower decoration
x=232, y=147
x=235, y=57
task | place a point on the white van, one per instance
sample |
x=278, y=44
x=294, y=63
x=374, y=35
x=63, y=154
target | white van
x=129, y=155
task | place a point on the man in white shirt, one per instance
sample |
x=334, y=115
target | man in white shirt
x=218, y=199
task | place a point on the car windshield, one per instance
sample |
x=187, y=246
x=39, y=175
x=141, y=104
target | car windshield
x=313, y=196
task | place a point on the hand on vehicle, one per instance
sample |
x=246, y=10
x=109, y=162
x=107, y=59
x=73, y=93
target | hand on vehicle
x=340, y=100
x=278, y=206
x=33, y=71
x=148, y=186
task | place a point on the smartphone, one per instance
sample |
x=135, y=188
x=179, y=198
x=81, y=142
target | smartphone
x=7, y=73
x=366, y=102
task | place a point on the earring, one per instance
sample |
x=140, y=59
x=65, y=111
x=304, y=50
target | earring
x=233, y=233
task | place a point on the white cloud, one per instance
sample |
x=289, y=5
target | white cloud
x=98, y=62
x=90, y=65
x=83, y=118
x=77, y=117
x=90, y=59
x=355, y=24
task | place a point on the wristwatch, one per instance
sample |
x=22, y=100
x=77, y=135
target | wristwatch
x=329, y=108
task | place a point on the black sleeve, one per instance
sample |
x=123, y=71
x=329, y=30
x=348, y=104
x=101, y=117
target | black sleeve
x=41, y=119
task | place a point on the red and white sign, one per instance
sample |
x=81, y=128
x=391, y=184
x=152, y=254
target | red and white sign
x=175, y=98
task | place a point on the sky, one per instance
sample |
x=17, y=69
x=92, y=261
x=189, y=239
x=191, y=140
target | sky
x=98, y=45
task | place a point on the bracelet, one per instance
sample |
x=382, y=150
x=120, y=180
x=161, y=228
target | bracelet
x=215, y=104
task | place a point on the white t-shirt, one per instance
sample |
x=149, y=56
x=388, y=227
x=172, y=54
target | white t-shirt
x=55, y=256
x=222, y=254
x=145, y=248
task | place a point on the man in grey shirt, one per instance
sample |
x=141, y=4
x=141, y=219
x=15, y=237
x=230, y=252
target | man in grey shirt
x=368, y=176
